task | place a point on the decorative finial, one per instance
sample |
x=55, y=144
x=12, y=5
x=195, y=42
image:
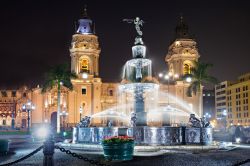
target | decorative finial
x=181, y=17
x=85, y=11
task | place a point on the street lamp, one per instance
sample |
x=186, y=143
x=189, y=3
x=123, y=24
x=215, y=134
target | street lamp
x=224, y=113
x=13, y=119
x=64, y=114
x=85, y=75
x=188, y=79
x=80, y=110
x=29, y=106
x=207, y=115
x=160, y=75
x=168, y=77
x=176, y=76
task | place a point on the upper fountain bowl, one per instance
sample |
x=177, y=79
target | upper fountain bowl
x=139, y=51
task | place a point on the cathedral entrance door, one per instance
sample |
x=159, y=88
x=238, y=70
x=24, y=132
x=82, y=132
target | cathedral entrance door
x=53, y=120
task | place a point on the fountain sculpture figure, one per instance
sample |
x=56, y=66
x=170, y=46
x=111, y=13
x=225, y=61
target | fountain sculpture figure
x=195, y=122
x=110, y=123
x=205, y=122
x=133, y=120
x=85, y=122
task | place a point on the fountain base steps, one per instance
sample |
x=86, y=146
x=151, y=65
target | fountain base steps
x=142, y=150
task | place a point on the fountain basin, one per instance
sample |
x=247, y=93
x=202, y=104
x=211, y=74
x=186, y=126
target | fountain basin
x=145, y=135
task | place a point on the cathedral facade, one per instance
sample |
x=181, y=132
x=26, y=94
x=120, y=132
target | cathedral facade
x=90, y=95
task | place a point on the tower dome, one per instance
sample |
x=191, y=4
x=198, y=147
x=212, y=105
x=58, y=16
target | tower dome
x=85, y=24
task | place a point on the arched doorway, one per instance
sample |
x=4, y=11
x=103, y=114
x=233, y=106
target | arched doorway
x=53, y=120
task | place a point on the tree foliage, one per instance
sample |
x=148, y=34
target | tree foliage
x=57, y=75
x=200, y=76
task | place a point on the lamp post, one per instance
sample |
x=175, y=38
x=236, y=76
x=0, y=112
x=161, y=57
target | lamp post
x=188, y=80
x=225, y=118
x=207, y=115
x=29, y=106
x=80, y=110
x=168, y=77
x=12, y=119
x=64, y=114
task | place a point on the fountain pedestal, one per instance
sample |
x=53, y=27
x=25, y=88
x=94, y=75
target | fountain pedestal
x=141, y=119
x=165, y=119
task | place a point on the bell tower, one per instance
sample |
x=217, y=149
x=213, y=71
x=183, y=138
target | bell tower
x=182, y=52
x=85, y=49
x=84, y=52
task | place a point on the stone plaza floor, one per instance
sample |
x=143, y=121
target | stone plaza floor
x=198, y=157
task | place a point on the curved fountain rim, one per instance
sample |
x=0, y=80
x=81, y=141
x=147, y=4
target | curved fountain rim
x=144, y=86
x=133, y=62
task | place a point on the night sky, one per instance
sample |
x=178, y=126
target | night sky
x=35, y=35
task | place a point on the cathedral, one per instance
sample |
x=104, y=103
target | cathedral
x=90, y=95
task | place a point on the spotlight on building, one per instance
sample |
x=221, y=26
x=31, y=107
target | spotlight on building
x=160, y=75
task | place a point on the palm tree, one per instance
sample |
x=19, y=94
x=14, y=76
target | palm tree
x=56, y=77
x=200, y=76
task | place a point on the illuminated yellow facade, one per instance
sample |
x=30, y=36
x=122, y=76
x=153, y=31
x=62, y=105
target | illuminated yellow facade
x=238, y=98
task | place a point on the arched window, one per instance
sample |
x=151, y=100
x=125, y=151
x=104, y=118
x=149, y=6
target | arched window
x=84, y=65
x=186, y=69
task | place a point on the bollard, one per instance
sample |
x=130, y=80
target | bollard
x=48, y=151
x=183, y=129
